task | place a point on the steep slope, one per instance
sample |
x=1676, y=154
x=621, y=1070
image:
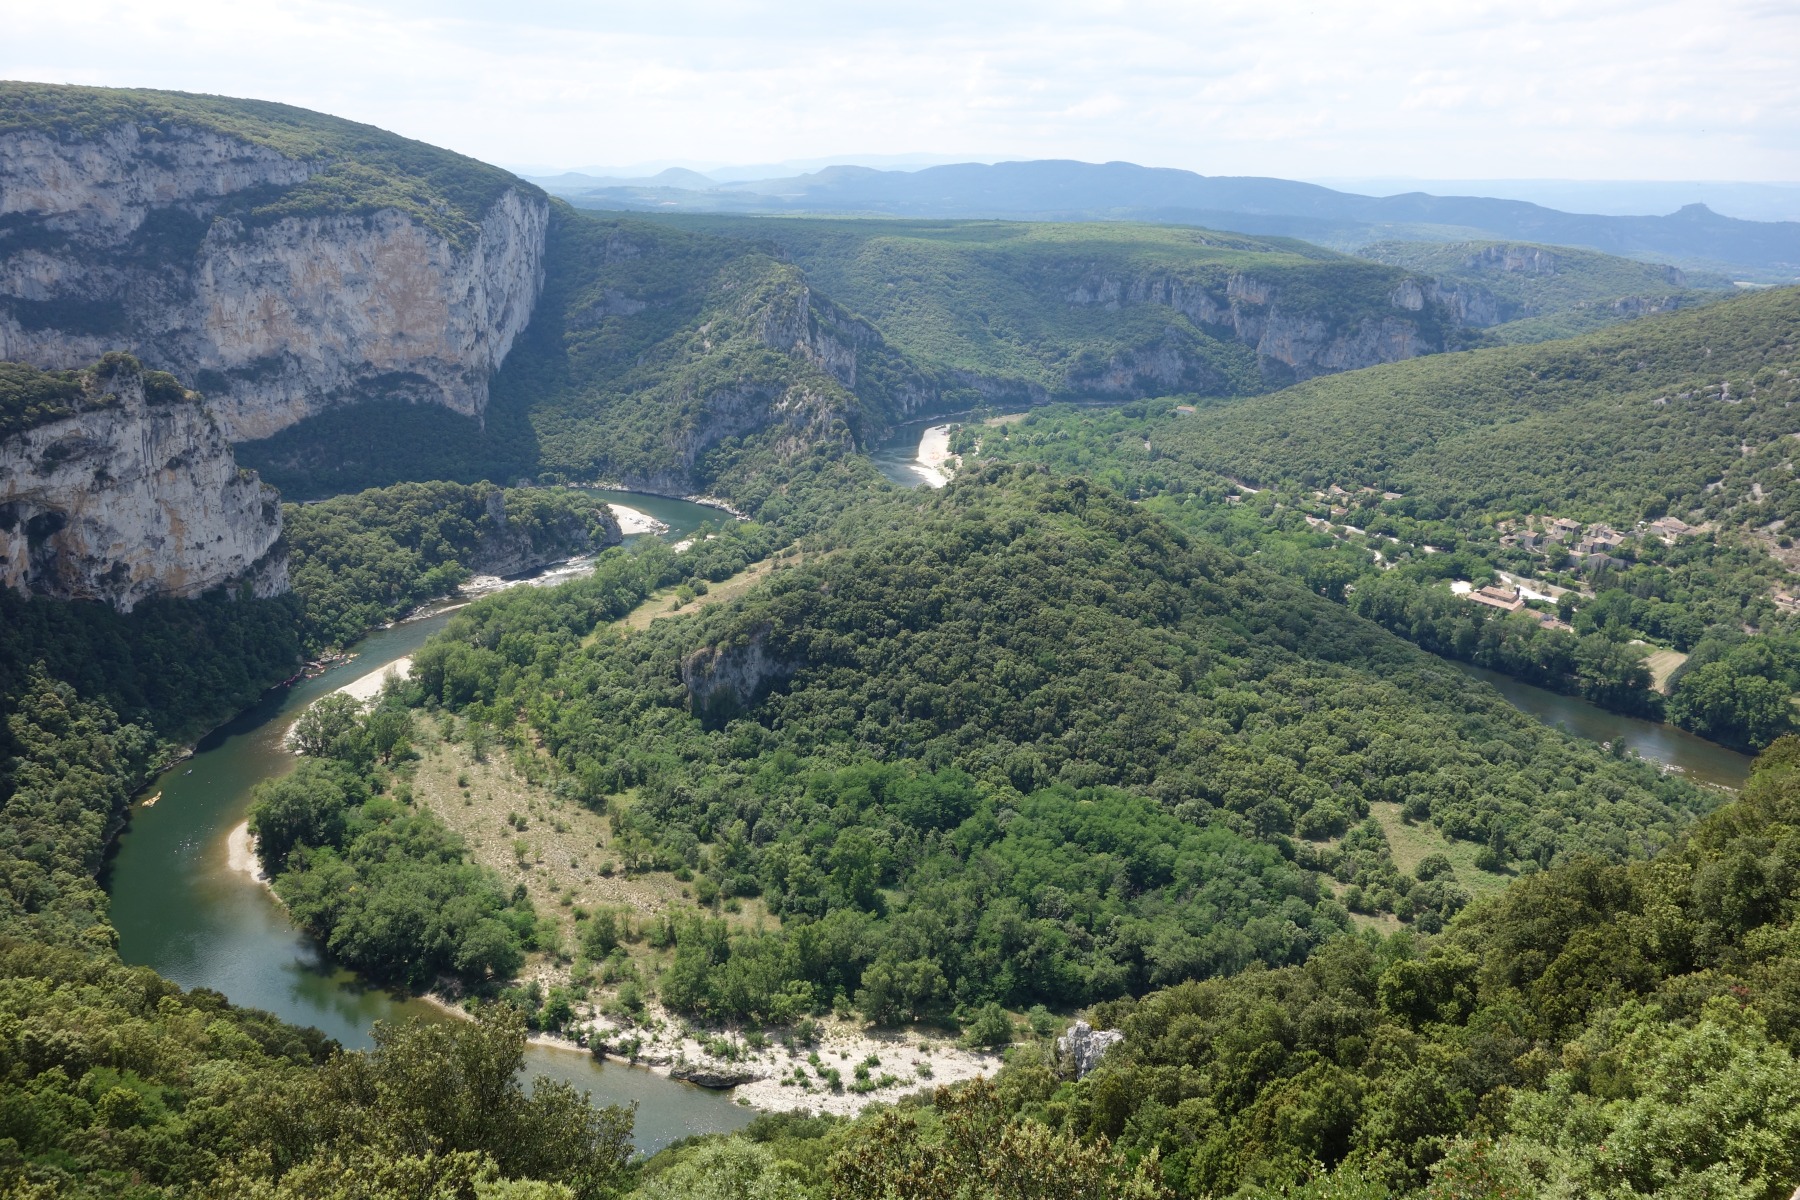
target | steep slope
x=668, y=354
x=117, y=485
x=651, y=350
x=1063, y=191
x=280, y=260
x=1687, y=413
x=1113, y=309
x=1523, y=292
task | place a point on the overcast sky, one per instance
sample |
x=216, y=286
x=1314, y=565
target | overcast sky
x=1594, y=89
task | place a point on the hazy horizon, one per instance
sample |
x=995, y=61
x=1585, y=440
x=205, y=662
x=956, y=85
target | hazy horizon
x=1608, y=91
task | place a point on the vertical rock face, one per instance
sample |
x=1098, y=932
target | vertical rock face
x=133, y=492
x=1292, y=339
x=190, y=248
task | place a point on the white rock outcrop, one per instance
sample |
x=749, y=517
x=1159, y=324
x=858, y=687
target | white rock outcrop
x=1083, y=1046
x=133, y=496
x=129, y=239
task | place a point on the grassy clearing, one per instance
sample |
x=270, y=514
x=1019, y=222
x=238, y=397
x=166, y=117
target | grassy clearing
x=562, y=855
x=667, y=603
x=1410, y=843
x=1662, y=664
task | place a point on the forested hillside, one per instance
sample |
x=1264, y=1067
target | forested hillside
x=360, y=561
x=1068, y=309
x=1020, y=742
x=1597, y=1031
x=1644, y=418
x=1522, y=292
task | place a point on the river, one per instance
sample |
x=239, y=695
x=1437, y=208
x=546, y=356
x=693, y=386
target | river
x=181, y=910
x=1698, y=759
x=897, y=456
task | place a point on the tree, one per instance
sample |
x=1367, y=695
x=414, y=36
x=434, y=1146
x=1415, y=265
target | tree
x=983, y=1154
x=328, y=727
x=991, y=1027
x=305, y=808
x=445, y=1087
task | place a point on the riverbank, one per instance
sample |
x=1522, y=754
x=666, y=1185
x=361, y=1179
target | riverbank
x=633, y=521
x=241, y=857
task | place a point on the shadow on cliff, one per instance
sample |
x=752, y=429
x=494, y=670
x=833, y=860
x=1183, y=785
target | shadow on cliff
x=380, y=442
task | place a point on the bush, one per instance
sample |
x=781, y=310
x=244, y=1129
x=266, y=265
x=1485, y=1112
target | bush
x=991, y=1027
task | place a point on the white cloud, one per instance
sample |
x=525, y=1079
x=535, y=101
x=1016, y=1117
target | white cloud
x=1595, y=89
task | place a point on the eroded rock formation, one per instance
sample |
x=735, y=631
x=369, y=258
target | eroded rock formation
x=174, y=242
x=133, y=492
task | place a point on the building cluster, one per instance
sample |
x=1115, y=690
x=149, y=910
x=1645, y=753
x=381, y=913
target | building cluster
x=1591, y=547
x=1511, y=599
x=1339, y=499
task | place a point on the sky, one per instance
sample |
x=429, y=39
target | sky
x=1597, y=89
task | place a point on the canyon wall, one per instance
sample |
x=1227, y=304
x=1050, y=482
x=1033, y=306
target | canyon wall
x=205, y=255
x=132, y=491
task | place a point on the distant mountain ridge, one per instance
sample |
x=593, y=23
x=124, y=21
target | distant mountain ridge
x=1053, y=189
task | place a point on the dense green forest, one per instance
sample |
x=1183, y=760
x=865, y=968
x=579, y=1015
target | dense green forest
x=1534, y=293
x=901, y=765
x=361, y=560
x=1597, y=1030
x=178, y=667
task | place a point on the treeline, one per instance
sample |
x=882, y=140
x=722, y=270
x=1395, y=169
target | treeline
x=388, y=891
x=1737, y=689
x=1594, y=667
x=1071, y=685
x=361, y=560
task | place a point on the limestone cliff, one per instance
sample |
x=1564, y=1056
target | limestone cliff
x=280, y=277
x=723, y=681
x=126, y=489
x=1294, y=337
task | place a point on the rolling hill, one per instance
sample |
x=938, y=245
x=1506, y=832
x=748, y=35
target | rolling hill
x=1058, y=190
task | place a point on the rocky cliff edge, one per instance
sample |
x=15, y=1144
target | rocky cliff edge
x=279, y=284
x=128, y=489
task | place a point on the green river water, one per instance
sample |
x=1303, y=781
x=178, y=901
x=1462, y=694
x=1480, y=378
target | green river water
x=180, y=909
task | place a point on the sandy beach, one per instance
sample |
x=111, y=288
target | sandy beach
x=368, y=687
x=240, y=853
x=631, y=521
x=934, y=456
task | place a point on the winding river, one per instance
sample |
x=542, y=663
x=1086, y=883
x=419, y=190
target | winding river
x=180, y=909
